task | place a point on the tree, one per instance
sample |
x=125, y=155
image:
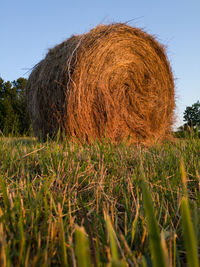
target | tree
x=13, y=117
x=192, y=115
x=19, y=86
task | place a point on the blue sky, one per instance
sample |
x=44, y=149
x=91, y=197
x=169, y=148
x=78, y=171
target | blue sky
x=28, y=28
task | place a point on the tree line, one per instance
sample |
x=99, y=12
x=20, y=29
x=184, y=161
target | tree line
x=14, y=119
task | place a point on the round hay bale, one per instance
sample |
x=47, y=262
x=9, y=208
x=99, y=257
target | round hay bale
x=113, y=82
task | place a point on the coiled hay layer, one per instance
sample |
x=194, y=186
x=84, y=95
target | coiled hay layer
x=114, y=81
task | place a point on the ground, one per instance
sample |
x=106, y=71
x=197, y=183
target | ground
x=62, y=203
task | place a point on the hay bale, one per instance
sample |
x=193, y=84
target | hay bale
x=114, y=81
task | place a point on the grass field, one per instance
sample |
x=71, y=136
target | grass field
x=62, y=204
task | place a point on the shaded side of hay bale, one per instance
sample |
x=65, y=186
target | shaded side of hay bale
x=46, y=90
x=123, y=86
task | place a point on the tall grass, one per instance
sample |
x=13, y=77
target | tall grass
x=62, y=204
x=157, y=252
x=188, y=228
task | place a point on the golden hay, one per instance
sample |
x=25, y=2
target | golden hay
x=113, y=82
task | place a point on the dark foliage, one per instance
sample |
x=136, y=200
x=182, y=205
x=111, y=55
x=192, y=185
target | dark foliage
x=13, y=119
x=192, y=115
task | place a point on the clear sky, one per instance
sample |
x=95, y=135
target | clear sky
x=28, y=28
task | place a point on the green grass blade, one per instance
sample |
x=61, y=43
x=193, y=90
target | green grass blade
x=189, y=237
x=183, y=176
x=22, y=237
x=62, y=238
x=143, y=262
x=134, y=225
x=116, y=262
x=82, y=248
x=4, y=192
x=152, y=226
x=111, y=234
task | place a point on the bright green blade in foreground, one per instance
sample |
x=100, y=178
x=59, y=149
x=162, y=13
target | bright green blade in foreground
x=82, y=248
x=113, y=245
x=154, y=236
x=189, y=237
x=188, y=229
x=116, y=262
x=62, y=238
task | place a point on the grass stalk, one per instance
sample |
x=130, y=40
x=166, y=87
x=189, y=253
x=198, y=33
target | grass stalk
x=82, y=248
x=157, y=252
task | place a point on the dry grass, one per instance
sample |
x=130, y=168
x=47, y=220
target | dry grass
x=46, y=190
